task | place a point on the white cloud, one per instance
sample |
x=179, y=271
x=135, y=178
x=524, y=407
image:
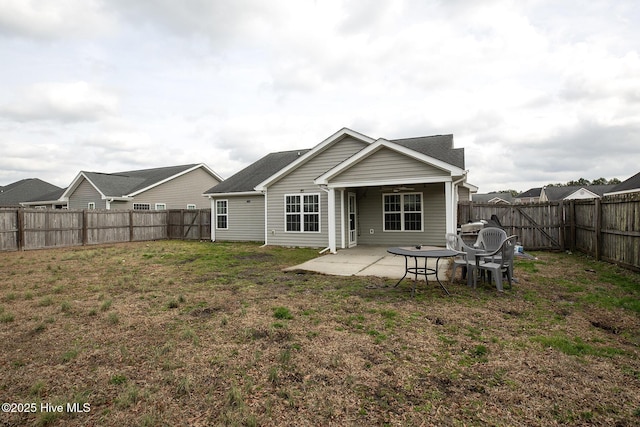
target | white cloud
x=157, y=82
x=42, y=19
x=63, y=102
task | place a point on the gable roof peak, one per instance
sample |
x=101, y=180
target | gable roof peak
x=130, y=183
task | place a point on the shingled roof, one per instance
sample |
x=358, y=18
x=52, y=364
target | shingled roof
x=532, y=192
x=628, y=185
x=562, y=192
x=438, y=146
x=248, y=178
x=127, y=183
x=24, y=191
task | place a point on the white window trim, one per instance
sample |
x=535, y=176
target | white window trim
x=302, y=213
x=191, y=206
x=402, y=228
x=91, y=205
x=226, y=204
x=161, y=206
x=138, y=208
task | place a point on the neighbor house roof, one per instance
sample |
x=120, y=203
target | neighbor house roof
x=246, y=180
x=25, y=190
x=630, y=185
x=532, y=192
x=493, y=198
x=44, y=199
x=561, y=193
x=130, y=183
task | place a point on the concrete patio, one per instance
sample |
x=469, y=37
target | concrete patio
x=366, y=260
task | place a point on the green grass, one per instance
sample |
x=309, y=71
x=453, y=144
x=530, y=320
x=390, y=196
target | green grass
x=576, y=346
x=151, y=333
x=282, y=313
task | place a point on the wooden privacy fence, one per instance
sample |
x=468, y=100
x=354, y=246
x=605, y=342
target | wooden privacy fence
x=189, y=224
x=607, y=229
x=26, y=229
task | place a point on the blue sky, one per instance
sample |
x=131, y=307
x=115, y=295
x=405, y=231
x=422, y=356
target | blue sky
x=534, y=91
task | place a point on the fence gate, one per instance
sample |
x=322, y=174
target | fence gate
x=190, y=224
x=538, y=226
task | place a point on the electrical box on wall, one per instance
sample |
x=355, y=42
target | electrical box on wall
x=371, y=231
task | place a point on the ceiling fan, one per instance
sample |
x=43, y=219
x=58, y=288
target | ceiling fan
x=398, y=188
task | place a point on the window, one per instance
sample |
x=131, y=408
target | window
x=402, y=212
x=142, y=206
x=191, y=206
x=302, y=212
x=161, y=206
x=222, y=214
x=91, y=205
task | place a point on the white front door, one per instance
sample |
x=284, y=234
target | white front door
x=351, y=212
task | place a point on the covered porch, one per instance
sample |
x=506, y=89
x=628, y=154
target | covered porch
x=392, y=195
x=391, y=215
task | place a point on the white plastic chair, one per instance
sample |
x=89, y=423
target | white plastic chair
x=490, y=238
x=466, y=257
x=499, y=262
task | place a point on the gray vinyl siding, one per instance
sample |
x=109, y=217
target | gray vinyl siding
x=370, y=217
x=245, y=219
x=85, y=193
x=177, y=193
x=387, y=164
x=300, y=181
x=464, y=195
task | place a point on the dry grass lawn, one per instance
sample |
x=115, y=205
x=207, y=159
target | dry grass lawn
x=197, y=334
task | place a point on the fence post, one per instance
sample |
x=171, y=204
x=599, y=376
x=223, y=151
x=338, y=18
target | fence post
x=20, y=229
x=561, y=221
x=201, y=226
x=85, y=237
x=182, y=233
x=131, y=225
x=598, y=228
x=572, y=225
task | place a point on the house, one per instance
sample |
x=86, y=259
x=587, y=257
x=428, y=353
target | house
x=52, y=200
x=349, y=189
x=530, y=196
x=15, y=194
x=501, y=198
x=172, y=187
x=631, y=185
x=552, y=194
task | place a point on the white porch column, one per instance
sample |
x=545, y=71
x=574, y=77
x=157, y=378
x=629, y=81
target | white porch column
x=331, y=217
x=343, y=217
x=213, y=218
x=449, y=200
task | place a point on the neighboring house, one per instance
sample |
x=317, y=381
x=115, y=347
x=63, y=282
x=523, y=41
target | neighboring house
x=631, y=185
x=349, y=189
x=173, y=187
x=495, y=197
x=553, y=194
x=15, y=194
x=530, y=196
x=51, y=200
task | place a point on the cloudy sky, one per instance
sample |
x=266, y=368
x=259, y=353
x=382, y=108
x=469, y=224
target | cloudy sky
x=535, y=91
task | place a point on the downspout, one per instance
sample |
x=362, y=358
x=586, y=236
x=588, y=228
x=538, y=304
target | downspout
x=455, y=199
x=266, y=222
